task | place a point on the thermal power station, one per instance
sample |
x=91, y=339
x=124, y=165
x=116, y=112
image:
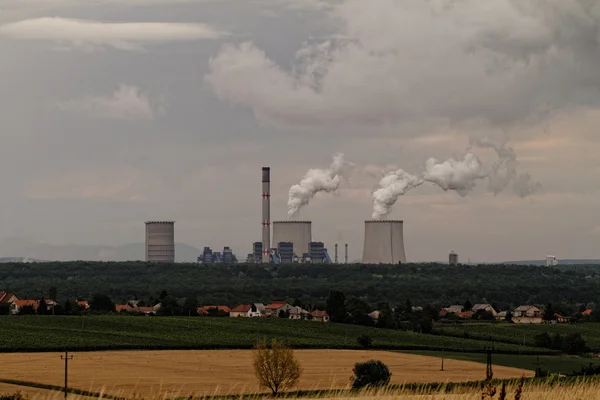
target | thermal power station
x=384, y=242
x=266, y=214
x=160, y=241
x=299, y=233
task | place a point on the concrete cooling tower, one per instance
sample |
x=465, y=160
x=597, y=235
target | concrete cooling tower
x=296, y=232
x=160, y=241
x=384, y=243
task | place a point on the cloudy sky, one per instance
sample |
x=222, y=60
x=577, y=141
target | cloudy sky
x=116, y=112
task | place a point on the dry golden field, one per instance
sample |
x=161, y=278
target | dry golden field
x=206, y=372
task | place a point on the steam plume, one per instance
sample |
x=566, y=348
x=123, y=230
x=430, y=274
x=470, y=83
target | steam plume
x=505, y=169
x=460, y=175
x=315, y=180
x=392, y=186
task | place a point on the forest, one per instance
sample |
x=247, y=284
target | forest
x=423, y=284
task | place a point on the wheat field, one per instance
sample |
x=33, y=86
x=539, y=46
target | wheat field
x=206, y=372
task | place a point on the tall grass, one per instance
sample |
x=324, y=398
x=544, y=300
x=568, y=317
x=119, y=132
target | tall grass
x=587, y=388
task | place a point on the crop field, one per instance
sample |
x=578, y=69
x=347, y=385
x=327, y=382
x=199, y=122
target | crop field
x=519, y=334
x=206, y=372
x=556, y=364
x=57, y=333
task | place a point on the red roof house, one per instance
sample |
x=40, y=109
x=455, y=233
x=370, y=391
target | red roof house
x=240, y=311
x=7, y=297
x=205, y=309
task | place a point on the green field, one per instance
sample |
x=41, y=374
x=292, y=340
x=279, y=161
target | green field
x=559, y=364
x=523, y=334
x=56, y=333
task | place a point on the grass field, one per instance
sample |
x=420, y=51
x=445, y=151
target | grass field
x=57, y=333
x=559, y=364
x=206, y=372
x=519, y=334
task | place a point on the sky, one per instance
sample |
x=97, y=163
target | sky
x=117, y=112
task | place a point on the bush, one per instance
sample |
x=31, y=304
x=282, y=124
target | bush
x=364, y=341
x=370, y=374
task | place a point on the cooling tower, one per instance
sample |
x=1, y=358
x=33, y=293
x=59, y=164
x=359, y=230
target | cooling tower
x=296, y=232
x=160, y=241
x=384, y=242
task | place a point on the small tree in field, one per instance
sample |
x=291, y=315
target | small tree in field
x=370, y=374
x=276, y=368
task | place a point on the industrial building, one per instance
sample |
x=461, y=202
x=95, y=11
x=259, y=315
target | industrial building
x=453, y=259
x=210, y=257
x=551, y=261
x=160, y=241
x=384, y=242
x=297, y=232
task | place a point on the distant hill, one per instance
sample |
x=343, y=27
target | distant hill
x=560, y=262
x=22, y=250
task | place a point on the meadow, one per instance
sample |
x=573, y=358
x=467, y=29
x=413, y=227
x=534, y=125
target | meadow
x=522, y=334
x=79, y=333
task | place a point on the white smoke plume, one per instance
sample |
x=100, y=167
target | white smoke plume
x=460, y=175
x=392, y=186
x=505, y=170
x=314, y=181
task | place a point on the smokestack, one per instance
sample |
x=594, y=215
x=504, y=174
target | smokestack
x=384, y=242
x=336, y=254
x=346, y=254
x=266, y=213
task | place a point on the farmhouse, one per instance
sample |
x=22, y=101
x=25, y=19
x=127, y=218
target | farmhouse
x=484, y=307
x=527, y=314
x=277, y=307
x=213, y=310
x=257, y=310
x=298, y=313
x=501, y=316
x=320, y=316
x=17, y=305
x=6, y=297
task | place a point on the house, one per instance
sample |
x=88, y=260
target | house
x=122, y=307
x=484, y=307
x=275, y=308
x=586, y=313
x=527, y=314
x=455, y=309
x=465, y=314
x=15, y=306
x=374, y=315
x=257, y=310
x=83, y=304
x=561, y=319
x=7, y=297
x=147, y=311
x=240, y=311
x=320, y=316
x=501, y=316
x=214, y=310
x=298, y=313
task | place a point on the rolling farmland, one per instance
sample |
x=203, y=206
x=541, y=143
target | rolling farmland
x=57, y=333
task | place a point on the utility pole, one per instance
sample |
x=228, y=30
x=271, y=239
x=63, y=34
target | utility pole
x=442, y=359
x=66, y=357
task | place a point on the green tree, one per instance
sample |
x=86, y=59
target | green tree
x=27, y=310
x=4, y=308
x=370, y=374
x=467, y=306
x=101, y=303
x=549, y=313
x=336, y=306
x=42, y=307
x=190, y=306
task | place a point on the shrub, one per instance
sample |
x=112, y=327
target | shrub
x=364, y=341
x=276, y=368
x=370, y=374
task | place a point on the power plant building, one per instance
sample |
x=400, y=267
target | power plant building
x=453, y=259
x=384, y=242
x=299, y=233
x=160, y=241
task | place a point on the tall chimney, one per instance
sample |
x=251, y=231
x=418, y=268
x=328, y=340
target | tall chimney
x=336, y=257
x=266, y=213
x=346, y=254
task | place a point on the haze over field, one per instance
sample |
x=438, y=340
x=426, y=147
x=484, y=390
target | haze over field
x=118, y=112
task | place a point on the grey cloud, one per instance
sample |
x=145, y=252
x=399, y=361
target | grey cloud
x=531, y=58
x=122, y=35
x=126, y=102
